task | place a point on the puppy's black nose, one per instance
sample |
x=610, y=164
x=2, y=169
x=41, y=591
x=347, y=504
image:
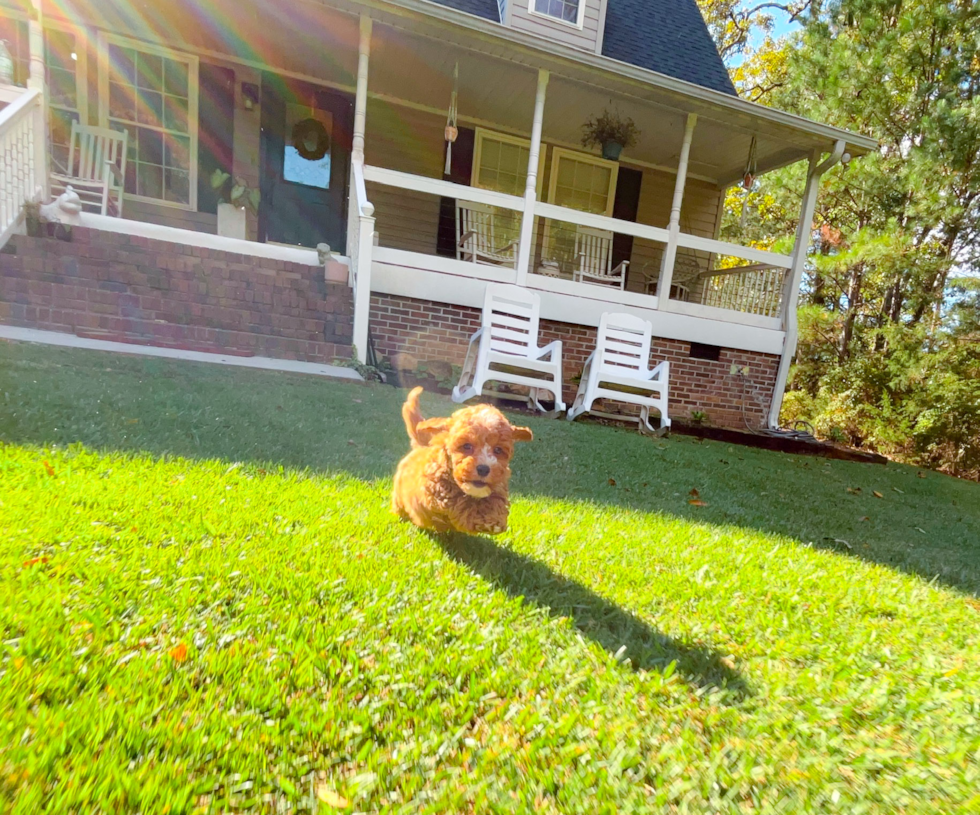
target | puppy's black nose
x=482, y=469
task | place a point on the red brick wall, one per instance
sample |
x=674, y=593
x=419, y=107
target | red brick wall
x=120, y=287
x=436, y=331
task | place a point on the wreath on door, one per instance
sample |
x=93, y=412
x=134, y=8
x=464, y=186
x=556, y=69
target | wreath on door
x=311, y=140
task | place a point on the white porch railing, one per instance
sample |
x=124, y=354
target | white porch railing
x=750, y=290
x=407, y=206
x=23, y=159
x=360, y=248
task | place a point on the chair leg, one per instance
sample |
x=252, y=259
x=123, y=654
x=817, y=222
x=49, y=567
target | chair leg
x=465, y=389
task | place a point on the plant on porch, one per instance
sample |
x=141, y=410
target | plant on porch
x=611, y=133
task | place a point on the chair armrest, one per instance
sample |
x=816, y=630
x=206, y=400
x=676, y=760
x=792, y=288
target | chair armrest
x=620, y=267
x=114, y=172
x=476, y=336
x=552, y=348
x=663, y=367
x=466, y=236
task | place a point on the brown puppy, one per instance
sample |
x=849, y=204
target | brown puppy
x=455, y=477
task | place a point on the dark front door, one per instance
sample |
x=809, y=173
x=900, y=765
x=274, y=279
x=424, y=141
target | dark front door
x=306, y=141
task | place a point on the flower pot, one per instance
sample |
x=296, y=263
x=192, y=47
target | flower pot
x=231, y=221
x=611, y=150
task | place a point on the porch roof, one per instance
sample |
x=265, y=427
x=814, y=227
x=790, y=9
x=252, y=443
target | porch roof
x=588, y=82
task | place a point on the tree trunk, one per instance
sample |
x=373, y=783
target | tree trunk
x=853, y=303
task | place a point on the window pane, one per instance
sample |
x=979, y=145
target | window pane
x=175, y=78
x=150, y=148
x=149, y=109
x=122, y=103
x=61, y=88
x=149, y=71
x=178, y=186
x=175, y=114
x=122, y=64
x=178, y=152
x=149, y=181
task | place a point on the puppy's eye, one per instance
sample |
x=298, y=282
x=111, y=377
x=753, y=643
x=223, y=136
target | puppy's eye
x=498, y=451
x=467, y=448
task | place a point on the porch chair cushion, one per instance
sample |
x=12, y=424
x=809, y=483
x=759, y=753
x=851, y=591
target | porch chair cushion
x=617, y=370
x=505, y=349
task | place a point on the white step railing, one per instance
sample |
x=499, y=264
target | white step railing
x=23, y=159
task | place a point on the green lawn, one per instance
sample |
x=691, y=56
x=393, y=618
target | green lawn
x=205, y=606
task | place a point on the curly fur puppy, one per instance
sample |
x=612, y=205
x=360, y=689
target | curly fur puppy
x=455, y=477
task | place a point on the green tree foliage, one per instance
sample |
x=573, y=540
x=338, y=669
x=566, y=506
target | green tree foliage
x=889, y=353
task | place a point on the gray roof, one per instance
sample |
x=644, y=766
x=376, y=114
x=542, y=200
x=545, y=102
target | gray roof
x=667, y=36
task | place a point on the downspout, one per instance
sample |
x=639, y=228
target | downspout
x=791, y=290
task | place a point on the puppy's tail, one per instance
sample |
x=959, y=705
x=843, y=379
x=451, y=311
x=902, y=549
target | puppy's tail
x=413, y=416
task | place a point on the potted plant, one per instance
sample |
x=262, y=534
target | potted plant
x=611, y=133
x=235, y=198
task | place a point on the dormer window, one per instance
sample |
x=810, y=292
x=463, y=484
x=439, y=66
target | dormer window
x=568, y=11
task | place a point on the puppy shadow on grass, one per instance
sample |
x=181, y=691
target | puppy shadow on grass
x=598, y=619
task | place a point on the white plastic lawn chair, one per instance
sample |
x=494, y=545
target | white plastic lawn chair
x=593, y=247
x=617, y=370
x=505, y=349
x=96, y=169
x=477, y=237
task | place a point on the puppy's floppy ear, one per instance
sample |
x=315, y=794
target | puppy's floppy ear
x=426, y=431
x=522, y=433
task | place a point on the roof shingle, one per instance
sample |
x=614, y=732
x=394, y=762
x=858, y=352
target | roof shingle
x=667, y=36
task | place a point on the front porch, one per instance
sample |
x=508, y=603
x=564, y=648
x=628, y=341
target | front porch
x=393, y=207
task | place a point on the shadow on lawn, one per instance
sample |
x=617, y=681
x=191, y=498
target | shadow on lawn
x=600, y=620
x=928, y=527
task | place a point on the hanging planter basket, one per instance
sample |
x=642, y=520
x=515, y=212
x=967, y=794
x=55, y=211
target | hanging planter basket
x=612, y=150
x=311, y=140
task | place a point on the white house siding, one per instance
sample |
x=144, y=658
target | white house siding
x=412, y=141
x=586, y=37
x=699, y=215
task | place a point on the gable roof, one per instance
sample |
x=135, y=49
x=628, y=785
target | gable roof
x=667, y=36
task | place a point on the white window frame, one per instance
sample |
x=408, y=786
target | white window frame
x=579, y=22
x=482, y=134
x=81, y=69
x=557, y=154
x=193, y=90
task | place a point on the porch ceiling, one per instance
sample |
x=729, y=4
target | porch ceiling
x=497, y=75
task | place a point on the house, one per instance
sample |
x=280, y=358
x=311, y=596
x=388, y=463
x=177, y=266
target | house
x=402, y=133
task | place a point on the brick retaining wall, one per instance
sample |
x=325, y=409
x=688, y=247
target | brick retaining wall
x=436, y=331
x=131, y=289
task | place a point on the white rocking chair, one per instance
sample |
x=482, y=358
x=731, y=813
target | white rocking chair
x=617, y=370
x=477, y=239
x=96, y=169
x=505, y=349
x=593, y=247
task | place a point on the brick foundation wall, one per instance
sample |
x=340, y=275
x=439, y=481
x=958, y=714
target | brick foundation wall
x=131, y=289
x=436, y=331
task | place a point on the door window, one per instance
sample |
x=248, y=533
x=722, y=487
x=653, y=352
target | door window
x=309, y=139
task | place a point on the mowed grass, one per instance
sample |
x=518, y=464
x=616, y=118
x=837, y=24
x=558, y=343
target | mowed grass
x=206, y=606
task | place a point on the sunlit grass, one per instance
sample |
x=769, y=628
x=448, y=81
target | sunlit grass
x=205, y=604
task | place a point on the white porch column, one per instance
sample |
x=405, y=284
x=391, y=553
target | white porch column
x=794, y=276
x=36, y=81
x=531, y=188
x=360, y=100
x=360, y=223
x=674, y=227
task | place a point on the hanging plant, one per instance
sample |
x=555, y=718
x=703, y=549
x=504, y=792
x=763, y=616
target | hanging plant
x=611, y=133
x=311, y=140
